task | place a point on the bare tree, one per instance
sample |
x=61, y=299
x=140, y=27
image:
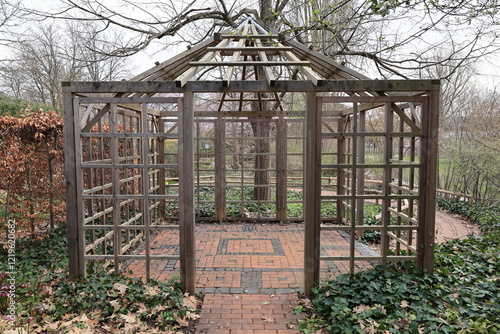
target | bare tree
x=391, y=37
x=51, y=55
x=387, y=38
x=10, y=11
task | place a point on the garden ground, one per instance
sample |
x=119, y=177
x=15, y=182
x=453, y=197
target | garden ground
x=244, y=293
x=252, y=276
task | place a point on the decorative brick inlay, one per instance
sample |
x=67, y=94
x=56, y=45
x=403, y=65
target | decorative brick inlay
x=246, y=246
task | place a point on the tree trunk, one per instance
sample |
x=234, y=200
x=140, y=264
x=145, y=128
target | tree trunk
x=261, y=130
x=261, y=127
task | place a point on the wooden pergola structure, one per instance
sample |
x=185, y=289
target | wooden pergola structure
x=140, y=154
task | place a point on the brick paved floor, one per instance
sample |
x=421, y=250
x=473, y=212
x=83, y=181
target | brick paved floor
x=242, y=313
x=239, y=268
x=250, y=258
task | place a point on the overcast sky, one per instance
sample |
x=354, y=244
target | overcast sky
x=489, y=69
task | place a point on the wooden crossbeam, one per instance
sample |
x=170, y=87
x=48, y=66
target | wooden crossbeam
x=251, y=99
x=250, y=48
x=270, y=36
x=250, y=63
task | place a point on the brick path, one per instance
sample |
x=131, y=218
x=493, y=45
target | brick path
x=242, y=314
x=250, y=273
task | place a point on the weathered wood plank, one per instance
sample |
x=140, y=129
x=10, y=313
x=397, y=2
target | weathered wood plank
x=146, y=213
x=360, y=210
x=427, y=184
x=229, y=73
x=251, y=63
x=75, y=252
x=249, y=48
x=186, y=194
x=312, y=193
x=281, y=170
x=252, y=86
x=354, y=192
x=387, y=177
x=220, y=170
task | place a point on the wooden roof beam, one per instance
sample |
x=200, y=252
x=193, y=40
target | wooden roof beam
x=250, y=99
x=280, y=37
x=181, y=80
x=306, y=70
x=249, y=63
x=250, y=48
x=236, y=55
x=271, y=79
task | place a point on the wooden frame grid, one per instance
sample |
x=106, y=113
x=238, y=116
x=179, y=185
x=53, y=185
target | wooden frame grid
x=225, y=159
x=405, y=185
x=117, y=165
x=136, y=159
x=119, y=168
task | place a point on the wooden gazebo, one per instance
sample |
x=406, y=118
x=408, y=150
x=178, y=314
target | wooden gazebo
x=253, y=112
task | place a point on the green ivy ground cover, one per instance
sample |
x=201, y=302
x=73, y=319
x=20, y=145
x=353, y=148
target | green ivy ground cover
x=48, y=302
x=462, y=296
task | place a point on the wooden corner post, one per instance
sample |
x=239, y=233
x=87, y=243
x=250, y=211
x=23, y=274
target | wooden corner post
x=427, y=183
x=312, y=192
x=186, y=193
x=71, y=122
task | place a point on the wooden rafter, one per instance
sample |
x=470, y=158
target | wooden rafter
x=271, y=79
x=235, y=57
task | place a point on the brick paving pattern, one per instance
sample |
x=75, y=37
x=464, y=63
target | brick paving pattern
x=239, y=268
x=242, y=314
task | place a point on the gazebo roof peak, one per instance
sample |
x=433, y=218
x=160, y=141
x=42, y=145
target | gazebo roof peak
x=249, y=52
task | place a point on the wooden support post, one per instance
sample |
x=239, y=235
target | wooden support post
x=197, y=165
x=281, y=170
x=75, y=249
x=186, y=193
x=312, y=193
x=360, y=177
x=340, y=170
x=161, y=160
x=115, y=179
x=411, y=184
x=427, y=183
x=387, y=176
x=146, y=214
x=400, y=184
x=126, y=149
x=348, y=154
x=354, y=184
x=220, y=169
